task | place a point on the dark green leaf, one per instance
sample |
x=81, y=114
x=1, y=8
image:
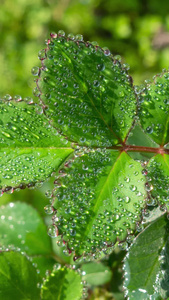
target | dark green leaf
x=18, y=278
x=146, y=265
x=89, y=95
x=62, y=284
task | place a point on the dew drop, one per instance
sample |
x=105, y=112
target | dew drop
x=48, y=209
x=79, y=37
x=100, y=67
x=106, y=51
x=61, y=33
x=149, y=129
x=71, y=36
x=42, y=54
x=18, y=98
x=35, y=71
x=7, y=97
x=52, y=231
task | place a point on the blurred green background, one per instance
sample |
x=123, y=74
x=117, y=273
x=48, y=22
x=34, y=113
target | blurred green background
x=138, y=30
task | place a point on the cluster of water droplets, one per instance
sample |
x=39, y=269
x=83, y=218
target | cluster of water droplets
x=84, y=228
x=154, y=108
x=86, y=91
x=21, y=128
x=158, y=180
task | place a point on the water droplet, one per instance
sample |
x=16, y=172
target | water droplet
x=61, y=33
x=48, y=209
x=79, y=37
x=106, y=51
x=100, y=67
x=42, y=54
x=7, y=97
x=149, y=129
x=18, y=98
x=52, y=231
x=71, y=36
x=35, y=71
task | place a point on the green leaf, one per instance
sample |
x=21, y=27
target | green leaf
x=89, y=95
x=43, y=264
x=146, y=266
x=96, y=273
x=18, y=278
x=62, y=284
x=158, y=178
x=154, y=109
x=99, y=200
x=22, y=226
x=30, y=149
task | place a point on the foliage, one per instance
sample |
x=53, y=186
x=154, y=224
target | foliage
x=105, y=142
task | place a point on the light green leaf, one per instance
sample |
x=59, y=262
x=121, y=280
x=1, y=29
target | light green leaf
x=18, y=278
x=62, y=284
x=30, y=149
x=96, y=273
x=89, y=95
x=154, y=109
x=22, y=226
x=146, y=264
x=99, y=200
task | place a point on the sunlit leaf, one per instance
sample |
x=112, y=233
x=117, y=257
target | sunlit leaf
x=30, y=149
x=18, y=277
x=98, y=200
x=154, y=109
x=146, y=266
x=62, y=284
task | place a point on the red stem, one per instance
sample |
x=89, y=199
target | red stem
x=133, y=148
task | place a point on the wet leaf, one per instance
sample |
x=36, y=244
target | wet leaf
x=89, y=95
x=158, y=179
x=154, y=109
x=30, y=149
x=62, y=284
x=146, y=266
x=22, y=226
x=98, y=201
x=18, y=278
x=43, y=264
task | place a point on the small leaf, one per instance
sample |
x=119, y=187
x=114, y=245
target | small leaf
x=62, y=284
x=154, y=109
x=22, y=226
x=89, y=95
x=99, y=200
x=146, y=264
x=30, y=149
x=18, y=278
x=96, y=273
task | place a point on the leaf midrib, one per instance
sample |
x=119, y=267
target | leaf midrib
x=99, y=199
